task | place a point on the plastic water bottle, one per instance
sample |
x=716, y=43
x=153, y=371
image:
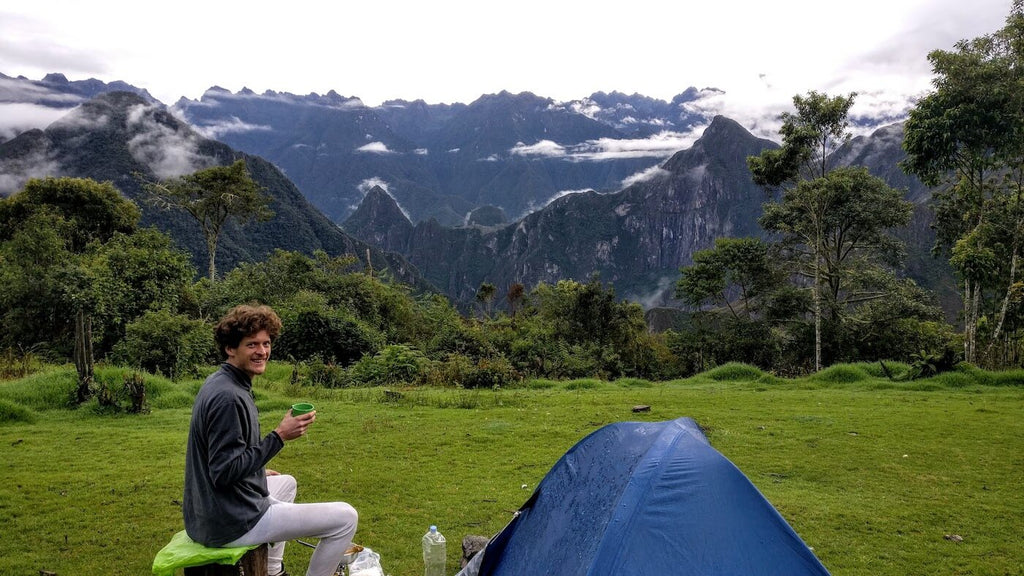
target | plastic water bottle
x=434, y=553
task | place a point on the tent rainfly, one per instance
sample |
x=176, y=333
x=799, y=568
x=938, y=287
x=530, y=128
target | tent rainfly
x=650, y=499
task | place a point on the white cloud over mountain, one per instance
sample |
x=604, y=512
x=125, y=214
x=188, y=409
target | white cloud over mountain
x=651, y=173
x=167, y=153
x=661, y=145
x=234, y=125
x=375, y=148
x=18, y=117
x=15, y=173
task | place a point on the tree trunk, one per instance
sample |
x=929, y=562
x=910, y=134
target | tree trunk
x=817, y=303
x=1009, y=285
x=972, y=296
x=83, y=356
x=967, y=320
x=1005, y=305
x=211, y=249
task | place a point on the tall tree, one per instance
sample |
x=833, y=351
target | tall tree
x=836, y=227
x=46, y=231
x=818, y=128
x=964, y=138
x=92, y=211
x=809, y=136
x=485, y=296
x=737, y=274
x=213, y=196
x=516, y=292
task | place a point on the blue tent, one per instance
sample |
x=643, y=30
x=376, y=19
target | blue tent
x=651, y=499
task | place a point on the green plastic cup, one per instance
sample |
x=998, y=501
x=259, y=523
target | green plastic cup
x=301, y=408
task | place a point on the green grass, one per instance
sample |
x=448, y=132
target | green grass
x=872, y=474
x=734, y=371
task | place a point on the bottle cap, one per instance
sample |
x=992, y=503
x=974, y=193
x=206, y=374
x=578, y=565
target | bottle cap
x=433, y=528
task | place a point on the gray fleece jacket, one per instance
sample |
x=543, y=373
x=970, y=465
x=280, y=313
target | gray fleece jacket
x=225, y=480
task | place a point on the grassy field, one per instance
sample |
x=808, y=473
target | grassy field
x=876, y=476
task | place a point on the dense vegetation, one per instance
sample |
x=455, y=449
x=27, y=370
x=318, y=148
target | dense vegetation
x=71, y=248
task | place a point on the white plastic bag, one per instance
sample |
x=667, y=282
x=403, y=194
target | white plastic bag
x=366, y=563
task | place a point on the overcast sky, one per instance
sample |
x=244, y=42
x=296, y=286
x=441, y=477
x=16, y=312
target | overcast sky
x=760, y=52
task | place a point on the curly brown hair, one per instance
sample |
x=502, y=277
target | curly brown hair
x=245, y=320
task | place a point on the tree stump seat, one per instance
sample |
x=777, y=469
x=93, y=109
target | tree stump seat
x=198, y=560
x=253, y=563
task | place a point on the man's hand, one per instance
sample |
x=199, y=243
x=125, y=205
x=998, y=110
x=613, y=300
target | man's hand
x=291, y=427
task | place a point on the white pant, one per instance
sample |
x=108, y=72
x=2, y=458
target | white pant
x=334, y=523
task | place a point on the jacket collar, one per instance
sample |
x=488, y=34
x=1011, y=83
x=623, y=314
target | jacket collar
x=238, y=375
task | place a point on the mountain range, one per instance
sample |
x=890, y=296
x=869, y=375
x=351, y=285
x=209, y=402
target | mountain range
x=512, y=187
x=125, y=138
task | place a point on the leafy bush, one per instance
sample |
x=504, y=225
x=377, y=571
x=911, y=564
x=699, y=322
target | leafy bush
x=394, y=364
x=492, y=373
x=327, y=333
x=166, y=343
x=924, y=364
x=451, y=372
x=460, y=339
x=325, y=375
x=120, y=390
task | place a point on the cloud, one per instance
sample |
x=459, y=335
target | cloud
x=28, y=42
x=542, y=148
x=14, y=90
x=533, y=206
x=368, y=184
x=659, y=296
x=651, y=173
x=76, y=120
x=167, y=152
x=761, y=119
x=15, y=172
x=586, y=107
x=375, y=148
x=661, y=145
x=18, y=117
x=234, y=125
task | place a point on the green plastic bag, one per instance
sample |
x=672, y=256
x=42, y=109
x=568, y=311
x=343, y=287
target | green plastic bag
x=182, y=552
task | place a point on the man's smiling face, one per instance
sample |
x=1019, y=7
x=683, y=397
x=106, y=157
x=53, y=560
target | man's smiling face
x=252, y=354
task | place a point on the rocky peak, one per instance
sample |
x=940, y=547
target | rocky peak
x=379, y=220
x=379, y=209
x=724, y=141
x=55, y=78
